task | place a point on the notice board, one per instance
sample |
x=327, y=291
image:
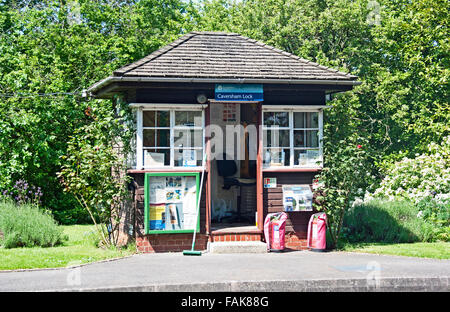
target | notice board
x=297, y=197
x=171, y=202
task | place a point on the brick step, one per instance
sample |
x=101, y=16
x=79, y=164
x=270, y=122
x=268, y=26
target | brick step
x=234, y=233
x=236, y=237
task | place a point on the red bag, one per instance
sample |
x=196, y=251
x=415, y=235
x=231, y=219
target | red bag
x=274, y=230
x=317, y=230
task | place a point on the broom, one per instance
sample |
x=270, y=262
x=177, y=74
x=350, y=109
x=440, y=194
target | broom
x=193, y=252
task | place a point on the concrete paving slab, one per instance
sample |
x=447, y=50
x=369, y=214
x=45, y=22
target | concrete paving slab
x=238, y=247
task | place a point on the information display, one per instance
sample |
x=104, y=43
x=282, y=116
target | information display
x=297, y=197
x=171, y=201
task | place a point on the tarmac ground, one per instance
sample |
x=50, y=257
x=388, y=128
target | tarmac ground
x=296, y=271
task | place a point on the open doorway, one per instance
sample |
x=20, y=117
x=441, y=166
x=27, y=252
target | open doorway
x=233, y=176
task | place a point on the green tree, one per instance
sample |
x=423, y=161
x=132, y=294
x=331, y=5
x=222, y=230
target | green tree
x=348, y=171
x=49, y=52
x=94, y=167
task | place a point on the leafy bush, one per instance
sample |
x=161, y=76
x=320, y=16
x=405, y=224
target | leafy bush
x=26, y=225
x=92, y=166
x=72, y=215
x=436, y=213
x=413, y=197
x=345, y=175
x=385, y=221
x=423, y=177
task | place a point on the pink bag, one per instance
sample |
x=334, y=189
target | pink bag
x=274, y=230
x=317, y=232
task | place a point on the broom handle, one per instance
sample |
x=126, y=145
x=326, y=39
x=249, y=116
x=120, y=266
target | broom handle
x=198, y=201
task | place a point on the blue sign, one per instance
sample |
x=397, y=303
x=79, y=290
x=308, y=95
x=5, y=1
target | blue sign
x=239, y=92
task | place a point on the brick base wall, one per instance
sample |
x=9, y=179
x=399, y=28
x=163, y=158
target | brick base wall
x=180, y=242
x=170, y=242
x=295, y=241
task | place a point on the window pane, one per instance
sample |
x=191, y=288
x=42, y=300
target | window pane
x=188, y=118
x=312, y=138
x=276, y=157
x=156, y=119
x=149, y=137
x=299, y=138
x=306, y=120
x=276, y=138
x=148, y=118
x=300, y=158
x=312, y=120
x=306, y=157
x=156, y=157
x=188, y=138
x=163, y=119
x=306, y=138
x=188, y=157
x=280, y=119
x=299, y=120
x=156, y=138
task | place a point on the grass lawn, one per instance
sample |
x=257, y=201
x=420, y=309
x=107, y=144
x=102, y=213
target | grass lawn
x=80, y=248
x=438, y=250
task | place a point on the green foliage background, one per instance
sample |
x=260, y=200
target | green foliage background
x=63, y=47
x=398, y=48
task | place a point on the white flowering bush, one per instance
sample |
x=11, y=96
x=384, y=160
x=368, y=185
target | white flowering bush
x=419, y=186
x=426, y=176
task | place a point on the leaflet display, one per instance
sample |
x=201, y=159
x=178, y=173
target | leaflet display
x=297, y=197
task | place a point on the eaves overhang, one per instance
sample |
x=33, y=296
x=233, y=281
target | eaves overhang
x=96, y=88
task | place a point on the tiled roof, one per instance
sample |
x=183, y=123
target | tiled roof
x=218, y=55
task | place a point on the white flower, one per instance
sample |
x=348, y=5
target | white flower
x=357, y=202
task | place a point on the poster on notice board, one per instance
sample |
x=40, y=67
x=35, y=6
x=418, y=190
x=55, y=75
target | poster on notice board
x=157, y=216
x=174, y=217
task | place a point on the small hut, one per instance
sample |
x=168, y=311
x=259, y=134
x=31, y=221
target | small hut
x=244, y=116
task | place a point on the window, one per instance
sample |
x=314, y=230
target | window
x=276, y=139
x=170, y=138
x=306, y=138
x=292, y=138
x=188, y=138
x=156, y=138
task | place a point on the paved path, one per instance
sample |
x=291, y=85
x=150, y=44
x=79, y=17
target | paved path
x=290, y=271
